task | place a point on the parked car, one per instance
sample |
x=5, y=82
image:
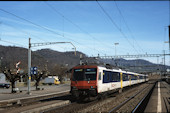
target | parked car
x=51, y=80
x=3, y=82
x=4, y=85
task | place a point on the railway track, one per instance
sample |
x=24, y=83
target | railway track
x=109, y=104
x=166, y=99
x=71, y=108
x=22, y=103
x=127, y=106
x=98, y=105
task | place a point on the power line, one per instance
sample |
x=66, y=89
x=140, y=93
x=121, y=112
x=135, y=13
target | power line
x=127, y=26
x=27, y=33
x=73, y=23
x=39, y=26
x=116, y=26
x=34, y=24
x=24, y=32
x=12, y=43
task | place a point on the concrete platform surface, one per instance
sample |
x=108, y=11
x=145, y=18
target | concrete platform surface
x=160, y=99
x=6, y=95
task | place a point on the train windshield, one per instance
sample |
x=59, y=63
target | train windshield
x=90, y=74
x=84, y=74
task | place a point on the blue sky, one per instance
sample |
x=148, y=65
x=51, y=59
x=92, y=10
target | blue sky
x=147, y=20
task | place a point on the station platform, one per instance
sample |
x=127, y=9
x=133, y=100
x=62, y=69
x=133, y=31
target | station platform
x=5, y=94
x=160, y=99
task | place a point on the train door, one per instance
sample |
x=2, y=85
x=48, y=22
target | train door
x=121, y=80
x=129, y=76
x=99, y=82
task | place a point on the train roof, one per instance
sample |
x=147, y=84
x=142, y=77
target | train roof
x=109, y=67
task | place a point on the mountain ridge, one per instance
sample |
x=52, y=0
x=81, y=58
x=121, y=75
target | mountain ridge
x=47, y=57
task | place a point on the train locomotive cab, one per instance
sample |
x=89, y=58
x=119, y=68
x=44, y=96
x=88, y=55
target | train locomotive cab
x=84, y=81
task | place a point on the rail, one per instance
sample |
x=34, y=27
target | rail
x=26, y=100
x=166, y=100
x=143, y=103
x=124, y=102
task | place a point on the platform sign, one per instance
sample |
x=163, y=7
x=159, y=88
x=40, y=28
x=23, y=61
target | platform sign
x=33, y=70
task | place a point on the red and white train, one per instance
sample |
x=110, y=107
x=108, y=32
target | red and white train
x=93, y=80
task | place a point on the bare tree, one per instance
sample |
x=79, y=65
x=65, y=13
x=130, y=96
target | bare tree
x=38, y=77
x=12, y=77
x=60, y=71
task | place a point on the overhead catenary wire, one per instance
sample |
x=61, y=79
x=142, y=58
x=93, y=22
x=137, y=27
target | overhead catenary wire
x=74, y=24
x=116, y=26
x=36, y=24
x=24, y=32
x=12, y=43
x=34, y=36
x=127, y=26
x=42, y=27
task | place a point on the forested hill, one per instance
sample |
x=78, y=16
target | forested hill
x=10, y=55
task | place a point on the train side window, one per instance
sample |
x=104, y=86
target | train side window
x=125, y=77
x=136, y=77
x=140, y=77
x=108, y=78
x=118, y=77
x=129, y=77
x=132, y=77
x=115, y=76
x=99, y=75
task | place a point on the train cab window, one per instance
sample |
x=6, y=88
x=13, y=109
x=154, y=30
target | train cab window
x=90, y=74
x=99, y=76
x=84, y=74
x=78, y=75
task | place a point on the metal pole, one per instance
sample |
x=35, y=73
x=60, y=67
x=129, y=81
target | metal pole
x=115, y=52
x=29, y=65
x=164, y=63
x=81, y=59
x=0, y=65
x=158, y=70
x=115, y=55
